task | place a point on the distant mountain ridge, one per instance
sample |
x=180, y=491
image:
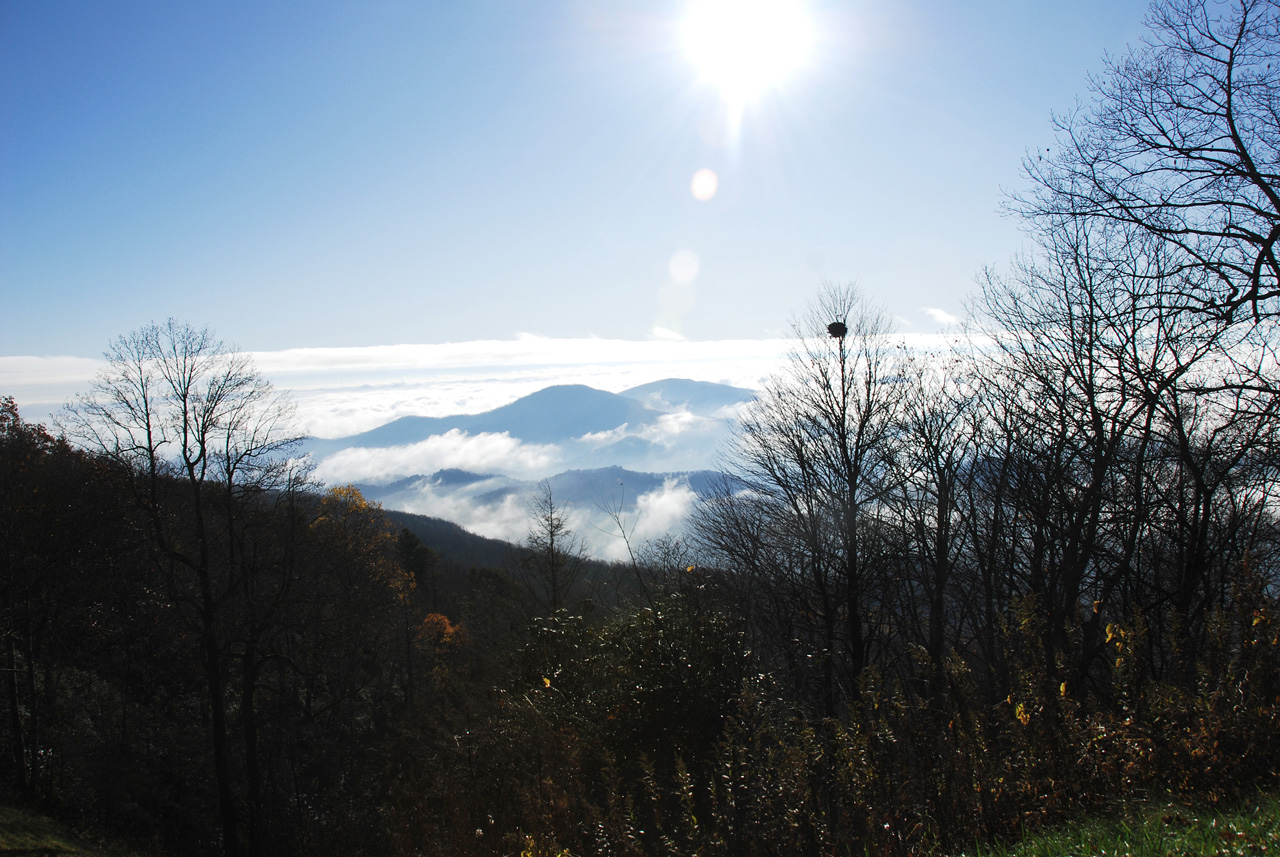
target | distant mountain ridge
x=648, y=451
x=550, y=415
x=558, y=414
x=699, y=397
x=592, y=488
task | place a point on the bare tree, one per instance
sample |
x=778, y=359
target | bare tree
x=202, y=434
x=811, y=467
x=938, y=449
x=1182, y=143
x=1083, y=354
x=1127, y=443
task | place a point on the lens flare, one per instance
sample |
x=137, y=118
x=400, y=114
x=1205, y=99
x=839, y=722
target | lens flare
x=683, y=267
x=705, y=184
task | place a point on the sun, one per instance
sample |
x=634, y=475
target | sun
x=745, y=47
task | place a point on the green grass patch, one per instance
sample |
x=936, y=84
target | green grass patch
x=1153, y=830
x=28, y=833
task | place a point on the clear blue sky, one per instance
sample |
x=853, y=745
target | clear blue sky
x=340, y=174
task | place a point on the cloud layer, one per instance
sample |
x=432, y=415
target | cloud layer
x=481, y=453
x=499, y=508
x=342, y=391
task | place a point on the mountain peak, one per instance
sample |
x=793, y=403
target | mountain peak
x=699, y=397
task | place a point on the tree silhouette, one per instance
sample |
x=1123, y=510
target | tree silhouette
x=554, y=556
x=1182, y=143
x=201, y=435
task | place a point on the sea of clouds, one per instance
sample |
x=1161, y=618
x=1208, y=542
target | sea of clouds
x=609, y=525
x=343, y=391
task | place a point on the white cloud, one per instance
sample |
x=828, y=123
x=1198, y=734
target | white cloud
x=481, y=453
x=732, y=412
x=507, y=519
x=41, y=385
x=941, y=316
x=603, y=438
x=342, y=391
x=655, y=513
x=491, y=508
x=21, y=371
x=664, y=509
x=668, y=427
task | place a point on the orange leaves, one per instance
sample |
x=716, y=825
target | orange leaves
x=438, y=633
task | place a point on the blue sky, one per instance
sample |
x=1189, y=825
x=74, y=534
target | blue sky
x=321, y=174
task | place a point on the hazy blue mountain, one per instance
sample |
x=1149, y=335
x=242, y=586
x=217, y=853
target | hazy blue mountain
x=583, y=488
x=633, y=452
x=649, y=449
x=453, y=476
x=557, y=414
x=699, y=397
x=553, y=415
x=604, y=486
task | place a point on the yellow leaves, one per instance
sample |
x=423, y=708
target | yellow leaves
x=1020, y=710
x=546, y=682
x=534, y=848
x=348, y=494
x=1062, y=689
x=356, y=532
x=437, y=632
x=344, y=510
x=1117, y=635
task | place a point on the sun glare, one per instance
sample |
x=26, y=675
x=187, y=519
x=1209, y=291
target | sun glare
x=744, y=47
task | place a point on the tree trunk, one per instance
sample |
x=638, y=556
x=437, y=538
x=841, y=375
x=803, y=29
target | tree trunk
x=218, y=720
x=18, y=746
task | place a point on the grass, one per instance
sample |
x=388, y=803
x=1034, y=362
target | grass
x=1152, y=830
x=24, y=832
